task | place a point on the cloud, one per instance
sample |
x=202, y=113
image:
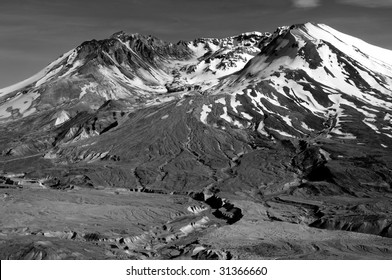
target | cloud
x=306, y=3
x=368, y=3
x=363, y=3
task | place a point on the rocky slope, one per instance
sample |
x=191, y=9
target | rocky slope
x=281, y=131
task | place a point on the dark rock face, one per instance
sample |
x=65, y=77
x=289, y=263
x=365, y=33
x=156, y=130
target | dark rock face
x=289, y=128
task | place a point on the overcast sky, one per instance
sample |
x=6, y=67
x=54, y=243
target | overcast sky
x=35, y=32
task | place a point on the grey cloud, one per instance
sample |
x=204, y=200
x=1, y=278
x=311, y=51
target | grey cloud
x=368, y=3
x=306, y=3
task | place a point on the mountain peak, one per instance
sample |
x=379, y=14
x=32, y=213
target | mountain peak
x=119, y=34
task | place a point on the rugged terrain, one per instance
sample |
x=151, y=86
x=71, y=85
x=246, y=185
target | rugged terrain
x=260, y=145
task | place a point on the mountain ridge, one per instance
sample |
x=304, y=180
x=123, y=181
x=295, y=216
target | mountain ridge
x=303, y=66
x=122, y=35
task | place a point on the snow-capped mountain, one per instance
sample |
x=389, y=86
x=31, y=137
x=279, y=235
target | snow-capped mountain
x=302, y=80
x=312, y=66
x=294, y=126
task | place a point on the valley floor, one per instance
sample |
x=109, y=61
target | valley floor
x=103, y=223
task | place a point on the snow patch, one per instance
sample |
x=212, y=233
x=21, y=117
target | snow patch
x=261, y=130
x=86, y=88
x=204, y=113
x=19, y=105
x=287, y=120
x=62, y=117
x=305, y=126
x=234, y=103
x=221, y=101
x=326, y=155
x=369, y=123
x=229, y=119
x=246, y=116
x=283, y=133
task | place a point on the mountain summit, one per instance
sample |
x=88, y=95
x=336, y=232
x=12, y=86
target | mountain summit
x=294, y=125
